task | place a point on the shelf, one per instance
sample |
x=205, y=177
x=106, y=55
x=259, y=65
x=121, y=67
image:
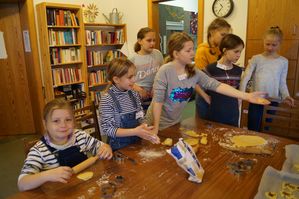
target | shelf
x=66, y=45
x=96, y=85
x=66, y=63
x=103, y=25
x=80, y=82
x=63, y=27
x=94, y=45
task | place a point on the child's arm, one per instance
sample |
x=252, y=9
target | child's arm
x=157, y=109
x=283, y=88
x=254, y=97
x=203, y=94
x=31, y=181
x=246, y=76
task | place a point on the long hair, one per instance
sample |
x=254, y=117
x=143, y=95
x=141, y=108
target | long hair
x=140, y=35
x=216, y=24
x=176, y=43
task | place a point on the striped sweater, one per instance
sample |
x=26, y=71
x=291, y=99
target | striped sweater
x=40, y=158
x=109, y=115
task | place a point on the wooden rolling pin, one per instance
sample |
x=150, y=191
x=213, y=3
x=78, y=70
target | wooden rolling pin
x=83, y=165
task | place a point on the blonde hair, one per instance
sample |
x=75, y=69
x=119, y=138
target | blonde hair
x=140, y=35
x=276, y=31
x=118, y=67
x=216, y=24
x=176, y=43
x=54, y=105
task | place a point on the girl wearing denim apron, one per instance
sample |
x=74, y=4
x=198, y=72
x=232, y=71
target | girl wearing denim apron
x=121, y=113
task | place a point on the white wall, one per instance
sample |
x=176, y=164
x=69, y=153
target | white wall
x=238, y=20
x=188, y=5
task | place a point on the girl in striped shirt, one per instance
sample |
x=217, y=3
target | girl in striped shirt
x=121, y=111
x=61, y=148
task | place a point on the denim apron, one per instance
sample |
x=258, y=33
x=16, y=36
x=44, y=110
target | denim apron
x=127, y=120
x=68, y=157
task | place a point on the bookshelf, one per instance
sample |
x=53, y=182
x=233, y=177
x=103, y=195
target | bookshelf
x=61, y=35
x=102, y=44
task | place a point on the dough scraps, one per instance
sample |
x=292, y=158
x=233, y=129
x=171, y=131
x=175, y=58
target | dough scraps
x=191, y=141
x=85, y=175
x=191, y=133
x=247, y=140
x=296, y=167
x=271, y=195
x=167, y=142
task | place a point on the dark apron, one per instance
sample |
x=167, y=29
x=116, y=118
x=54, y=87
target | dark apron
x=127, y=121
x=68, y=157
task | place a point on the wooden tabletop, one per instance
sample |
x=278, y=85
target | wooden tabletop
x=144, y=175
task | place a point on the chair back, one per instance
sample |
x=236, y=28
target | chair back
x=87, y=119
x=28, y=144
x=281, y=120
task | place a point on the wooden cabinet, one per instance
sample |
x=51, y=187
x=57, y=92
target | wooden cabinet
x=262, y=14
x=102, y=43
x=62, y=52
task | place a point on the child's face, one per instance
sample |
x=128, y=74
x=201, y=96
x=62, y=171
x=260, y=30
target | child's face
x=127, y=81
x=218, y=34
x=59, y=125
x=185, y=55
x=148, y=42
x=233, y=55
x=271, y=44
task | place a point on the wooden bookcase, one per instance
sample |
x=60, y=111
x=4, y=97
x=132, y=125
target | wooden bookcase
x=61, y=35
x=102, y=43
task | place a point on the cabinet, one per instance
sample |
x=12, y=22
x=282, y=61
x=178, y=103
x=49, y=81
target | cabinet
x=263, y=14
x=62, y=52
x=102, y=43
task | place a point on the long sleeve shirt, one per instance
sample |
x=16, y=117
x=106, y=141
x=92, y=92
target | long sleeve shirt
x=110, y=119
x=268, y=75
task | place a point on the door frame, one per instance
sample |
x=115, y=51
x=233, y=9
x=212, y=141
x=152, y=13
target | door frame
x=27, y=19
x=153, y=17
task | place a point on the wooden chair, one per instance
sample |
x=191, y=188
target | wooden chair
x=283, y=122
x=87, y=119
x=28, y=143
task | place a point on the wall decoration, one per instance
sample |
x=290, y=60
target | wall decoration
x=90, y=12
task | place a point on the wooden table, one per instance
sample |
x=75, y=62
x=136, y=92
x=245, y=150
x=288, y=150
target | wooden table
x=163, y=178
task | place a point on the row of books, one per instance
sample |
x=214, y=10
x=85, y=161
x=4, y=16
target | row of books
x=59, y=37
x=64, y=55
x=95, y=96
x=66, y=76
x=59, y=17
x=97, y=77
x=98, y=37
x=101, y=57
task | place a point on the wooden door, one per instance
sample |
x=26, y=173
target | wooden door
x=15, y=104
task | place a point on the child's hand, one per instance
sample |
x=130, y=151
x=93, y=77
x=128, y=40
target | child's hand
x=59, y=174
x=145, y=132
x=105, y=152
x=207, y=98
x=257, y=98
x=289, y=101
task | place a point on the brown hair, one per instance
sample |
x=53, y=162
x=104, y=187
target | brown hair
x=276, y=31
x=216, y=24
x=118, y=67
x=230, y=41
x=56, y=104
x=140, y=35
x=176, y=43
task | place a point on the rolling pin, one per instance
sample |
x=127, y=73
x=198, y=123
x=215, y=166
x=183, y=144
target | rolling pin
x=83, y=165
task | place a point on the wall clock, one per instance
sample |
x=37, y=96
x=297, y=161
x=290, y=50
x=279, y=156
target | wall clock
x=222, y=8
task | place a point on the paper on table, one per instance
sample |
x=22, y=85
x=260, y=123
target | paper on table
x=3, y=54
x=292, y=159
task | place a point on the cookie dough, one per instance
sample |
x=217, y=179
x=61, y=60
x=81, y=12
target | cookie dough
x=191, y=141
x=85, y=175
x=247, y=141
x=191, y=133
x=167, y=142
x=271, y=195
